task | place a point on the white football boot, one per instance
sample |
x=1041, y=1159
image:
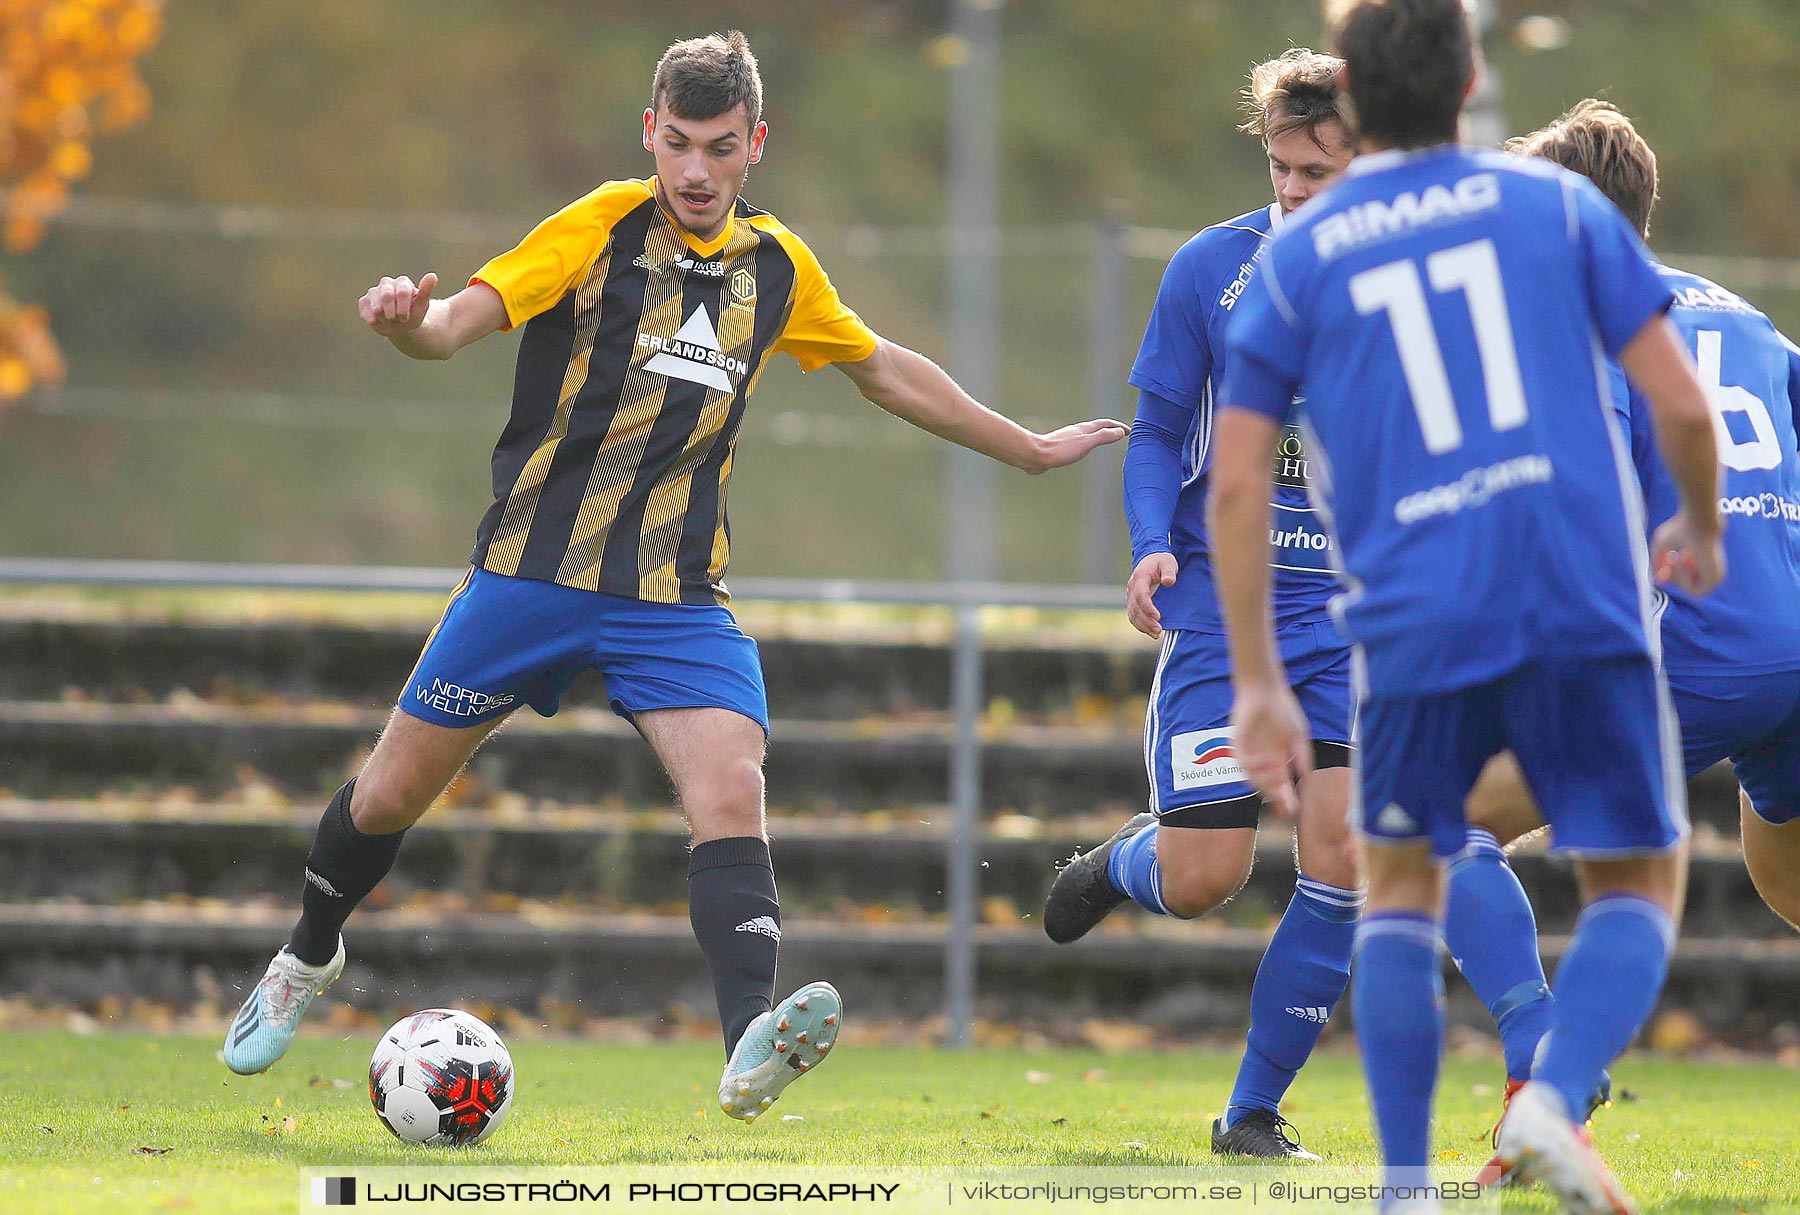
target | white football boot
x=1539, y=1142
x=778, y=1048
x=264, y=1027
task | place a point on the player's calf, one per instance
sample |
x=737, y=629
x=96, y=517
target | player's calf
x=1772, y=855
x=1204, y=859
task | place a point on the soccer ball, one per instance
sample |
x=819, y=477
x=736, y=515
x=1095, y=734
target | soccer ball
x=441, y=1077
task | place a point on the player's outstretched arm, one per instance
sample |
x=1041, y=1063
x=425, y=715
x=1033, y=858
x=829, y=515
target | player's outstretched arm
x=1685, y=549
x=911, y=386
x=1268, y=731
x=423, y=328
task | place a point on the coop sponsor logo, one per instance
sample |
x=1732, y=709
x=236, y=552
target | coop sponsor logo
x=1201, y=758
x=459, y=701
x=1380, y=219
x=1772, y=507
x=1474, y=488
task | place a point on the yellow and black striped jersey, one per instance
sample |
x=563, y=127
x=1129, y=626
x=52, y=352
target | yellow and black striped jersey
x=641, y=344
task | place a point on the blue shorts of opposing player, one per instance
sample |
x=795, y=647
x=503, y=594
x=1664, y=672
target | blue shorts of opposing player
x=1195, y=778
x=504, y=642
x=1752, y=720
x=1596, y=739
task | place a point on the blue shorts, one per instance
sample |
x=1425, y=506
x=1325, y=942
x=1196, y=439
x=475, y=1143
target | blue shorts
x=1195, y=779
x=1596, y=739
x=505, y=641
x=1752, y=720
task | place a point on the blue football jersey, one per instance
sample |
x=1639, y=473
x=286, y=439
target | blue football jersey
x=1751, y=623
x=1181, y=360
x=1448, y=314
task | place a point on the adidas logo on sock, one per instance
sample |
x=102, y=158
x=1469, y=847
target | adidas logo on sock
x=764, y=924
x=1317, y=1015
x=322, y=884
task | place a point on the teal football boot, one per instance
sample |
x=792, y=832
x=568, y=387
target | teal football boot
x=265, y=1025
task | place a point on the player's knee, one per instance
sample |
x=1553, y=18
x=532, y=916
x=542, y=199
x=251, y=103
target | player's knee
x=1190, y=892
x=386, y=801
x=1336, y=862
x=728, y=800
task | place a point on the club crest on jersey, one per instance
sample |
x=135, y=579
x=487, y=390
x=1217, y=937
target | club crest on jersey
x=693, y=354
x=1201, y=758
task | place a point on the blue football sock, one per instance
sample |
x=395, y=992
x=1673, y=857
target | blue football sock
x=1302, y=975
x=1606, y=987
x=1134, y=872
x=1492, y=936
x=1399, y=1008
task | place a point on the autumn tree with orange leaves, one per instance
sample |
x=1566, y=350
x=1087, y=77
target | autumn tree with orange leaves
x=67, y=74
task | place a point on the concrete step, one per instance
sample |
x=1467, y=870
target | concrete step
x=122, y=851
x=69, y=749
x=62, y=749
x=1185, y=978
x=814, y=677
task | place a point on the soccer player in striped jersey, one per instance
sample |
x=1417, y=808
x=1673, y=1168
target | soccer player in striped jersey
x=1194, y=848
x=1447, y=314
x=649, y=308
x=1732, y=658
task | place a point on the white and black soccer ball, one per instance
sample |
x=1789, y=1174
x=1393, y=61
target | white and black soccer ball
x=441, y=1077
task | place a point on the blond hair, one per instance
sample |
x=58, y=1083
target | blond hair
x=1595, y=139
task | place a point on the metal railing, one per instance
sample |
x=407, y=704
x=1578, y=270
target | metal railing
x=966, y=677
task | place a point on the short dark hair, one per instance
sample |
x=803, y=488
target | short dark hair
x=702, y=78
x=1295, y=91
x=1410, y=63
x=1597, y=140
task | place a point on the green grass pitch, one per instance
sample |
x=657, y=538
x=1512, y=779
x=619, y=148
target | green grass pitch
x=74, y=1112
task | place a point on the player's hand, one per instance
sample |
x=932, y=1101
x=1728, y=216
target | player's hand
x=1156, y=570
x=1071, y=443
x=396, y=305
x=1685, y=555
x=1270, y=735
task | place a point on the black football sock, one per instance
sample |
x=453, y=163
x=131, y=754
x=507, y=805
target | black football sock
x=737, y=920
x=343, y=866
